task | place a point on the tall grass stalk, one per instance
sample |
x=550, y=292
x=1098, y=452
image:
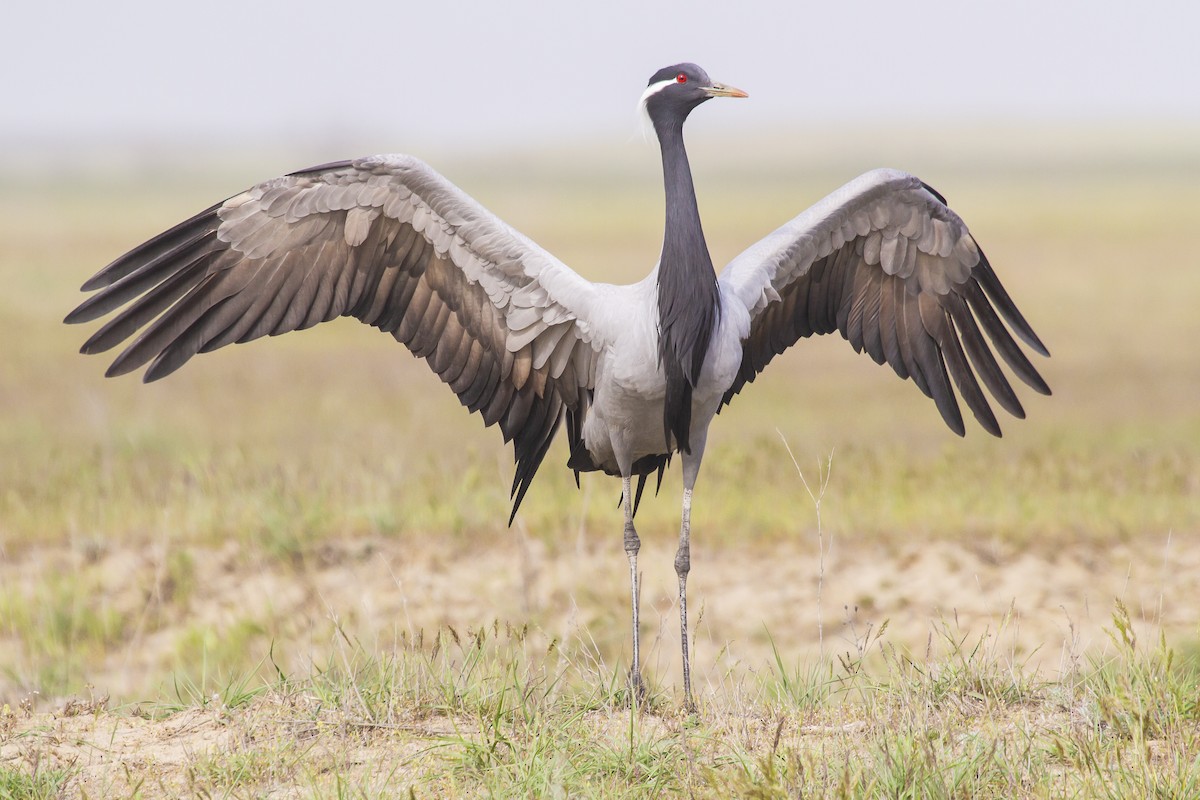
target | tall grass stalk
x=823, y=473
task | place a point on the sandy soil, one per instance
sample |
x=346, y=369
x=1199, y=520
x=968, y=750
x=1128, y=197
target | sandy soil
x=1039, y=608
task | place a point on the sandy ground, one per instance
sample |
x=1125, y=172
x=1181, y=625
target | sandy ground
x=1037, y=608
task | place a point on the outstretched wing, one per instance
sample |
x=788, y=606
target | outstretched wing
x=388, y=241
x=886, y=263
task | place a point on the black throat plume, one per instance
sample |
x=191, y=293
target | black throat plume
x=688, y=298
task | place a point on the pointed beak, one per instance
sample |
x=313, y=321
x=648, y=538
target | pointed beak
x=721, y=90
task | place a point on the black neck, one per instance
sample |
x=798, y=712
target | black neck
x=688, y=304
x=683, y=239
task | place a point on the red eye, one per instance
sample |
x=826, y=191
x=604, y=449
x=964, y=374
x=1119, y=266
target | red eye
x=681, y=78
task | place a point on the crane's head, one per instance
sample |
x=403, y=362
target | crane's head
x=675, y=90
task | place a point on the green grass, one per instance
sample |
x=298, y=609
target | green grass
x=21, y=784
x=62, y=629
x=486, y=713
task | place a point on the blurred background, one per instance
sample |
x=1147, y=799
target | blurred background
x=271, y=493
x=137, y=81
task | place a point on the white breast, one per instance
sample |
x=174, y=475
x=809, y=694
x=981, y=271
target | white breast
x=630, y=387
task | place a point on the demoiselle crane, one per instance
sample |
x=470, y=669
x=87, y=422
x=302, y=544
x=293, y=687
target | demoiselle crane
x=637, y=371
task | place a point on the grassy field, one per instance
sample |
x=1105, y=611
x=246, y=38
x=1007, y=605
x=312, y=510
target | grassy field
x=287, y=566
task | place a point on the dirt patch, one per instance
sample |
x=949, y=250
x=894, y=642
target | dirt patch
x=206, y=751
x=1043, y=609
x=1039, y=610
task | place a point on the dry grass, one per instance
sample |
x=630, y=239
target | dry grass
x=482, y=713
x=232, y=530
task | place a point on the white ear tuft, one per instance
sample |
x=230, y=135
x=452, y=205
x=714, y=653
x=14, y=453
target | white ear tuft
x=652, y=90
x=643, y=112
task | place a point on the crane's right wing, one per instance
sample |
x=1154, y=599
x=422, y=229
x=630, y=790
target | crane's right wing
x=886, y=263
x=384, y=239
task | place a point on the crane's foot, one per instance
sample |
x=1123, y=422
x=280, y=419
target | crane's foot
x=638, y=693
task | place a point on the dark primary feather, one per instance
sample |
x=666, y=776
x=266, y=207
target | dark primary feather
x=189, y=290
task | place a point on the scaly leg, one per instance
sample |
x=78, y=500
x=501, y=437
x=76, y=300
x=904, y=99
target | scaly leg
x=683, y=565
x=683, y=556
x=632, y=545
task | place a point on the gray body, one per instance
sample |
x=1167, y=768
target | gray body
x=625, y=421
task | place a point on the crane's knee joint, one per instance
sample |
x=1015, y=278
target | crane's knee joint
x=632, y=543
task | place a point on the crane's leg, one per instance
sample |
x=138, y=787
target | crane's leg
x=632, y=545
x=683, y=565
x=683, y=557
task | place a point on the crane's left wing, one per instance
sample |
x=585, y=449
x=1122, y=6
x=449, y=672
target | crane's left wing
x=886, y=263
x=388, y=241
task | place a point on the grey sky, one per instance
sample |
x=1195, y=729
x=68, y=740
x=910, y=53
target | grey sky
x=403, y=74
